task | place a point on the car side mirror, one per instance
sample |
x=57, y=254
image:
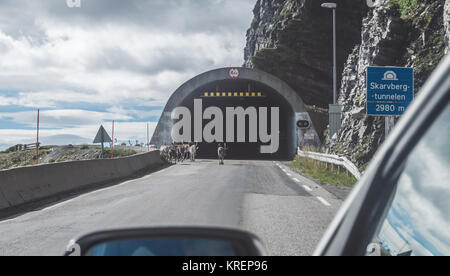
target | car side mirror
x=167, y=242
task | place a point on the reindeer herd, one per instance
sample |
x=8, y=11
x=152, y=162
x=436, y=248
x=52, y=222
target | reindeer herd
x=178, y=153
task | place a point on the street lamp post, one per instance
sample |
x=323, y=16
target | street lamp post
x=333, y=6
x=335, y=109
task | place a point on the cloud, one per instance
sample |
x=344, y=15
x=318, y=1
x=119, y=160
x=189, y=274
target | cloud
x=62, y=118
x=113, y=60
x=110, y=55
x=187, y=16
x=419, y=213
x=65, y=139
x=135, y=113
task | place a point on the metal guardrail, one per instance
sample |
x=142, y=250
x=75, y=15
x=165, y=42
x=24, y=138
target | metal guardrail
x=332, y=159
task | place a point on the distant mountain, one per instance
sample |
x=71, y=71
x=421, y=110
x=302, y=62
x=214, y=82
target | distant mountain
x=64, y=139
x=56, y=140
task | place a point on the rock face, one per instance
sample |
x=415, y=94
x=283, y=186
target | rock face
x=447, y=24
x=292, y=40
x=390, y=37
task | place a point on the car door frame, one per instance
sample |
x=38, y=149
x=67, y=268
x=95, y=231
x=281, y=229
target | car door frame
x=358, y=220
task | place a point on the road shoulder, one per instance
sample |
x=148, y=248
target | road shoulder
x=339, y=191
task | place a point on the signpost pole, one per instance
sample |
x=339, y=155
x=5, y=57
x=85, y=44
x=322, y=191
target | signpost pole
x=148, y=142
x=156, y=137
x=334, y=59
x=335, y=110
x=103, y=148
x=389, y=124
x=112, y=148
x=37, y=140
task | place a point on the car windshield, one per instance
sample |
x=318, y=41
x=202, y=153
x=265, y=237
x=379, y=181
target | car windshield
x=419, y=217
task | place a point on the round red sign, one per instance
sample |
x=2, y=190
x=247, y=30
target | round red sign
x=234, y=73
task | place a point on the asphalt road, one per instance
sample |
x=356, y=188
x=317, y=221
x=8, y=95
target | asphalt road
x=287, y=211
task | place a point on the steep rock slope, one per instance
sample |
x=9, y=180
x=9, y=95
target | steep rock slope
x=292, y=39
x=392, y=35
x=447, y=24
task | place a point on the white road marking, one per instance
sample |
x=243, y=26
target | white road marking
x=324, y=202
x=307, y=188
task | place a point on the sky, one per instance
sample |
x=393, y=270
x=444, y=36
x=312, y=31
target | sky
x=107, y=60
x=419, y=218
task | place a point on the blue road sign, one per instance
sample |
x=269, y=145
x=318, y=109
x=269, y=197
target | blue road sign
x=390, y=90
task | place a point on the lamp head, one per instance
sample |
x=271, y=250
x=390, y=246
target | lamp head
x=329, y=5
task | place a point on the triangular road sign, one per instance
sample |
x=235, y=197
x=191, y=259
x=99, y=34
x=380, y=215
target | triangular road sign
x=102, y=136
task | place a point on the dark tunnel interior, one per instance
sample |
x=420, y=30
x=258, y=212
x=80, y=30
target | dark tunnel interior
x=259, y=95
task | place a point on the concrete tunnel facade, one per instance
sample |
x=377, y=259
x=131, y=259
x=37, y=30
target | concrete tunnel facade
x=233, y=88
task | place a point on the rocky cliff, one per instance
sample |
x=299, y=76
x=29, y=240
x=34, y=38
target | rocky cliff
x=285, y=40
x=292, y=39
x=392, y=35
x=447, y=24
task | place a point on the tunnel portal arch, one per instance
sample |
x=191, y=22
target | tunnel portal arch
x=229, y=82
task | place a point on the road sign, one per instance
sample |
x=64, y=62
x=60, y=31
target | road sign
x=234, y=73
x=302, y=120
x=303, y=124
x=102, y=136
x=390, y=90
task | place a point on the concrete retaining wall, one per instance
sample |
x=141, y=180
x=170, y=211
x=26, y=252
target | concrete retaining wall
x=31, y=184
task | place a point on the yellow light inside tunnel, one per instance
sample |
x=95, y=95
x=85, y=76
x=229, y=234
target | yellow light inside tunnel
x=232, y=94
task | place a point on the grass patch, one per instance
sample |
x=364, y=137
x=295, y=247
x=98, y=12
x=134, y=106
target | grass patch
x=318, y=171
x=20, y=158
x=405, y=6
x=11, y=149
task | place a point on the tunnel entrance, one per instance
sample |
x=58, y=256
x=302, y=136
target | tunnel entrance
x=246, y=94
x=264, y=114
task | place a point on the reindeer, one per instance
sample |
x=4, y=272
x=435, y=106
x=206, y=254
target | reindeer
x=221, y=152
x=193, y=151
